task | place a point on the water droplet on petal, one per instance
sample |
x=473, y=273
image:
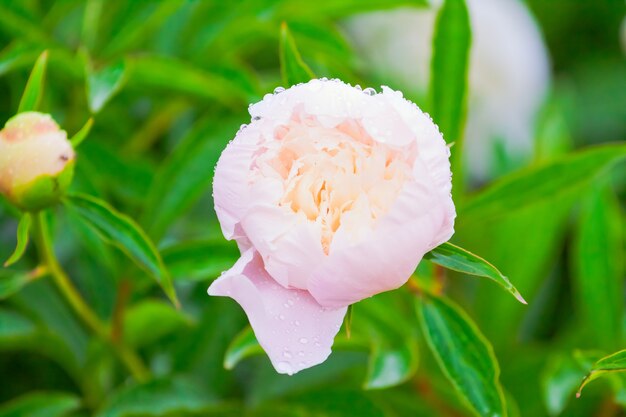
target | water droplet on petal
x=369, y=91
x=287, y=354
x=304, y=340
x=278, y=90
x=285, y=367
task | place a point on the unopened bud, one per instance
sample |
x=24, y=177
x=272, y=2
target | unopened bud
x=36, y=161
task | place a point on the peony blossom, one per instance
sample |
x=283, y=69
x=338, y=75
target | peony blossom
x=333, y=195
x=36, y=160
x=509, y=71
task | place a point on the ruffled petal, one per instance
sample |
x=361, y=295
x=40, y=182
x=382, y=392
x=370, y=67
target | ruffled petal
x=230, y=184
x=388, y=257
x=295, y=331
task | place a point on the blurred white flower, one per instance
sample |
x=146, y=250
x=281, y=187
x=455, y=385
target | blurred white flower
x=509, y=71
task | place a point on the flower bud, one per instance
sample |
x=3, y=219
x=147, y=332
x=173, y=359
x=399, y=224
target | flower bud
x=36, y=161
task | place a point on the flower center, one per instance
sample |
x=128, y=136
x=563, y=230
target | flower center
x=337, y=178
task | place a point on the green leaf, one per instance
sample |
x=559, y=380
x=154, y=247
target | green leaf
x=463, y=353
x=138, y=30
x=34, y=87
x=609, y=364
x=23, y=229
x=12, y=282
x=104, y=83
x=448, y=78
x=340, y=8
x=122, y=231
x=19, y=27
x=186, y=174
x=13, y=325
x=200, y=260
x=18, y=55
x=552, y=180
x=157, y=73
x=391, y=365
x=150, y=320
x=560, y=381
x=243, y=346
x=292, y=68
x=458, y=259
x=81, y=135
x=394, y=352
x=41, y=404
x=156, y=398
x=598, y=267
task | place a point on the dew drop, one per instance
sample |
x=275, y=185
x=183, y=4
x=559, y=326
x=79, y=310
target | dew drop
x=304, y=340
x=297, y=323
x=290, y=302
x=282, y=317
x=285, y=367
x=278, y=90
x=369, y=91
x=287, y=354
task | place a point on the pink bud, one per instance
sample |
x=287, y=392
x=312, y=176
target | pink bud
x=36, y=161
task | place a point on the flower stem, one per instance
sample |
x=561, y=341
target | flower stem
x=44, y=244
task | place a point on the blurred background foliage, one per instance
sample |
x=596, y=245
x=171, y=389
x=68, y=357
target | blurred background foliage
x=168, y=84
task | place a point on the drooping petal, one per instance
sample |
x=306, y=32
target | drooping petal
x=295, y=331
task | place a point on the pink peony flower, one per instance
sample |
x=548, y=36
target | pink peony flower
x=333, y=195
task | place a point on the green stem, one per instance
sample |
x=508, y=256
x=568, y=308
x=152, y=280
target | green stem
x=44, y=244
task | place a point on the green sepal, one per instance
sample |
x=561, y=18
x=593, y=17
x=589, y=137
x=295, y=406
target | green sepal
x=44, y=191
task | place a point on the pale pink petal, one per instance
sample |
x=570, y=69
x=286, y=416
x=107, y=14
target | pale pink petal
x=388, y=257
x=230, y=184
x=289, y=248
x=295, y=331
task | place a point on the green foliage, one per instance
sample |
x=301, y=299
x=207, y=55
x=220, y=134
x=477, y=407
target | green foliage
x=463, y=353
x=160, y=88
x=458, y=259
x=449, y=78
x=607, y=365
x=598, y=267
x=49, y=404
x=121, y=231
x=34, y=88
x=293, y=68
x=22, y=239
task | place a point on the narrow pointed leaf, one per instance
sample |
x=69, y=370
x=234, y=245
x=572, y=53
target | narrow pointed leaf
x=243, y=346
x=546, y=181
x=104, y=83
x=200, y=260
x=81, y=135
x=609, y=364
x=12, y=282
x=394, y=354
x=121, y=231
x=458, y=259
x=23, y=229
x=161, y=397
x=48, y=404
x=34, y=87
x=598, y=268
x=463, y=353
x=448, y=79
x=293, y=69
